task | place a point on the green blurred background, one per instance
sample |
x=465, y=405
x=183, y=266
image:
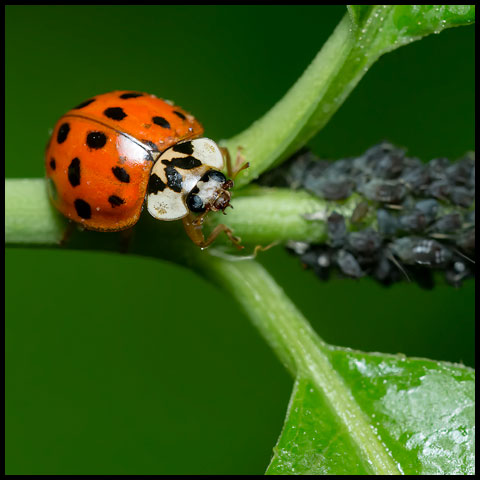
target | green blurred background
x=103, y=374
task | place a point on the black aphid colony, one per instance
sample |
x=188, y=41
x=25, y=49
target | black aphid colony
x=412, y=218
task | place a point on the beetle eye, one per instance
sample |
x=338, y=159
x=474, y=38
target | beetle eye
x=195, y=203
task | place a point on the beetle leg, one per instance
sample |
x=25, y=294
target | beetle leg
x=260, y=248
x=126, y=239
x=199, y=220
x=67, y=233
x=240, y=164
x=193, y=227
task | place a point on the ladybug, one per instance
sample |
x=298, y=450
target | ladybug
x=112, y=152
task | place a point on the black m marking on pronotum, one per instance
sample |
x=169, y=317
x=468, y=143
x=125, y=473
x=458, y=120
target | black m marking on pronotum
x=155, y=184
x=185, y=163
x=185, y=147
x=174, y=179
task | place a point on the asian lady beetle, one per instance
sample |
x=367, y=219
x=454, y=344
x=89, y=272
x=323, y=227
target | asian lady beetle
x=113, y=151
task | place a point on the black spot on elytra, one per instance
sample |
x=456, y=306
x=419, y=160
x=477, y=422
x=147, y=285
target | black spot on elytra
x=185, y=147
x=84, y=104
x=180, y=114
x=83, y=208
x=115, y=113
x=126, y=96
x=174, y=179
x=63, y=132
x=185, y=163
x=150, y=145
x=161, y=121
x=74, y=172
x=96, y=140
x=155, y=184
x=115, y=201
x=53, y=164
x=121, y=174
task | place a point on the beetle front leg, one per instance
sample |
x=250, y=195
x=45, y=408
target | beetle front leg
x=194, y=228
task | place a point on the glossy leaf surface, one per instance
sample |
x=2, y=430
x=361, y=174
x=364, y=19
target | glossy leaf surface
x=422, y=412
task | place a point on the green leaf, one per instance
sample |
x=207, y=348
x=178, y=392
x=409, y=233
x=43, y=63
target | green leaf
x=422, y=412
x=357, y=413
x=414, y=19
x=382, y=28
x=358, y=13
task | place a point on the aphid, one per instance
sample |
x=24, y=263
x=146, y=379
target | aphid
x=385, y=191
x=440, y=189
x=359, y=213
x=413, y=221
x=388, y=224
x=336, y=229
x=319, y=259
x=330, y=189
x=461, y=171
x=421, y=251
x=382, y=160
x=385, y=272
x=312, y=176
x=470, y=218
x=448, y=223
x=110, y=152
x=462, y=196
x=429, y=207
x=299, y=248
x=348, y=264
x=457, y=273
x=342, y=167
x=366, y=241
x=437, y=168
x=466, y=240
x=390, y=166
x=302, y=167
x=416, y=178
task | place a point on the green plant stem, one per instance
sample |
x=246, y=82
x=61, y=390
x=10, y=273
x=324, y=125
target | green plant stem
x=29, y=215
x=260, y=216
x=306, y=107
x=266, y=215
x=357, y=42
x=298, y=347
